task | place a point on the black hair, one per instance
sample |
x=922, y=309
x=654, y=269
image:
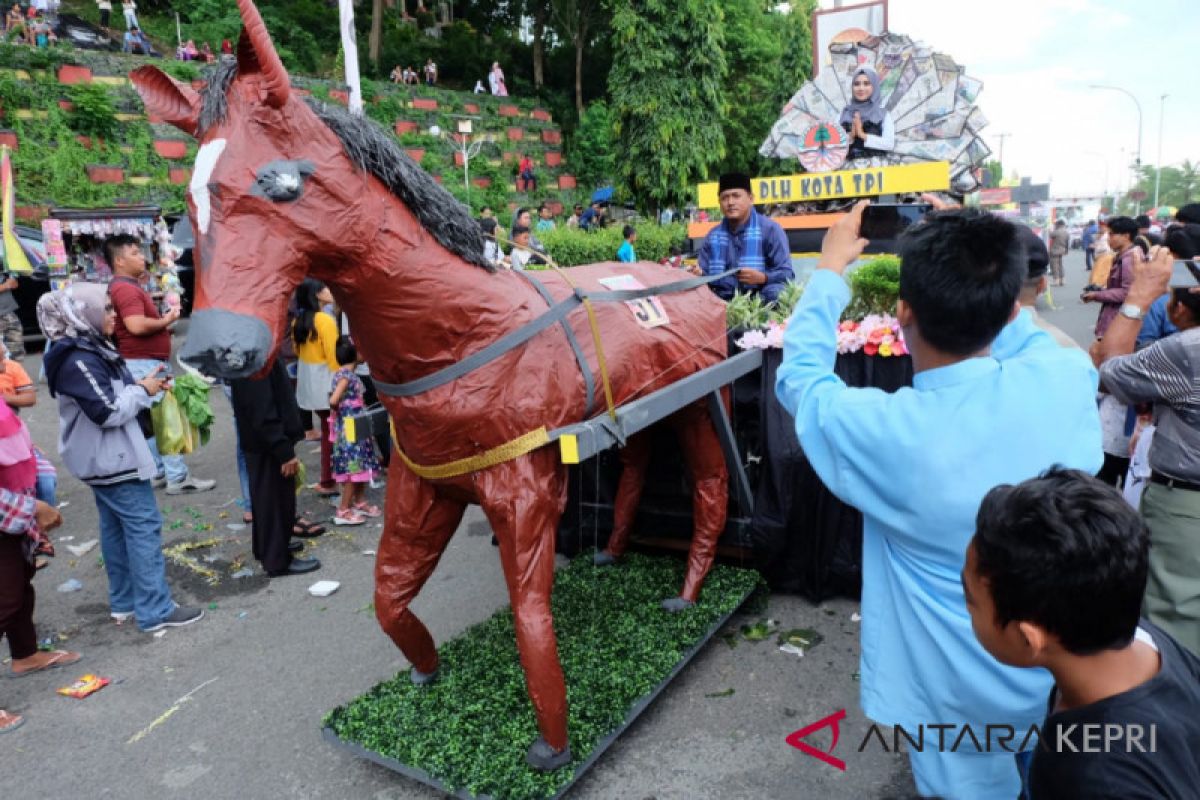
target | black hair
x=1188, y=300
x=344, y=351
x=488, y=226
x=676, y=250
x=961, y=272
x=1189, y=213
x=1065, y=551
x=114, y=244
x=628, y=231
x=578, y=207
x=1183, y=240
x=541, y=207
x=1125, y=225
x=519, y=229
x=1142, y=220
x=304, y=329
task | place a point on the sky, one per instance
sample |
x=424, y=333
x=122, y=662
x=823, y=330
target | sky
x=1036, y=59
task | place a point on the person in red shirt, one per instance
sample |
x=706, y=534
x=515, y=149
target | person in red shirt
x=143, y=337
x=526, y=173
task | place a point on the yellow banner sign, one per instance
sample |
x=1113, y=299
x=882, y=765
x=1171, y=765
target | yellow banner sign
x=932, y=176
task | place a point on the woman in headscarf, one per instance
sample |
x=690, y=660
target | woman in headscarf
x=872, y=131
x=102, y=444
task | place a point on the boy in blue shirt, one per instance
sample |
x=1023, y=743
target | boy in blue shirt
x=918, y=462
x=625, y=252
x=1054, y=579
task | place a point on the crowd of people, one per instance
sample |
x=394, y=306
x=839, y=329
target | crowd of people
x=107, y=364
x=985, y=524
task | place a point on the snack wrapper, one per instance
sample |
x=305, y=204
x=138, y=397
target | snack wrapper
x=88, y=684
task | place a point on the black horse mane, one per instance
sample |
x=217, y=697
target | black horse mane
x=372, y=150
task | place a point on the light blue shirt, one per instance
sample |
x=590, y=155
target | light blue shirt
x=625, y=253
x=917, y=463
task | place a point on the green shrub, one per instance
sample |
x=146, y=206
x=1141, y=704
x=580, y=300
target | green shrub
x=93, y=114
x=875, y=287
x=181, y=70
x=570, y=247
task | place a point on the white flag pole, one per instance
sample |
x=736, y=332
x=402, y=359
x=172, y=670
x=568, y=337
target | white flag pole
x=350, y=52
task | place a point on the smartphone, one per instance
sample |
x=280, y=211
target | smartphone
x=1185, y=275
x=884, y=221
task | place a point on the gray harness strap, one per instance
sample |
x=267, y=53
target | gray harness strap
x=588, y=382
x=556, y=313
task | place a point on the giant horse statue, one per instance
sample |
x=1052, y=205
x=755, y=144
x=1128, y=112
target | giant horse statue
x=284, y=188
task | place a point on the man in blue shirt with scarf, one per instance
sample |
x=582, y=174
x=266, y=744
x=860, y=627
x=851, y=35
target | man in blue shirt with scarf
x=745, y=239
x=919, y=461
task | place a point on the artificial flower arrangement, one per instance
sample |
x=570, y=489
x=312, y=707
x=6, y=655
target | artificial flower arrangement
x=866, y=325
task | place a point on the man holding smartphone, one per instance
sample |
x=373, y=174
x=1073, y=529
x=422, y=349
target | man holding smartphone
x=1165, y=373
x=747, y=240
x=143, y=337
x=919, y=461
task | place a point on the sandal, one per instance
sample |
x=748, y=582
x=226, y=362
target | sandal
x=324, y=491
x=305, y=529
x=368, y=510
x=348, y=517
x=40, y=563
x=10, y=722
x=58, y=658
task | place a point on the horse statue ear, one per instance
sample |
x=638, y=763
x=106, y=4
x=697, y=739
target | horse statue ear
x=166, y=97
x=256, y=54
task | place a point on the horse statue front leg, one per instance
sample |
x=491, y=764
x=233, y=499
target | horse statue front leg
x=417, y=527
x=523, y=501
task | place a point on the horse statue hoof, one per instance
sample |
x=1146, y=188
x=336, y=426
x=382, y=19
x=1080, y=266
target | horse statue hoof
x=603, y=558
x=422, y=678
x=544, y=757
x=676, y=604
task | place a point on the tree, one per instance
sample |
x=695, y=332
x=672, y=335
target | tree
x=376, y=32
x=667, y=95
x=577, y=21
x=754, y=50
x=538, y=9
x=1178, y=185
x=592, y=146
x=796, y=40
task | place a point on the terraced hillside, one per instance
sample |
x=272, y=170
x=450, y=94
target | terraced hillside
x=81, y=137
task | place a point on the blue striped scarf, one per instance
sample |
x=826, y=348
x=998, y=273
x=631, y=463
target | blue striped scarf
x=749, y=238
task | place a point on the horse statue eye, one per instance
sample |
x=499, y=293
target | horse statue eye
x=282, y=181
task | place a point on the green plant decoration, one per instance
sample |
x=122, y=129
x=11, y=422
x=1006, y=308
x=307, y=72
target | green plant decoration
x=469, y=728
x=874, y=287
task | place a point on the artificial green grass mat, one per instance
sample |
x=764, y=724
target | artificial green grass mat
x=471, y=727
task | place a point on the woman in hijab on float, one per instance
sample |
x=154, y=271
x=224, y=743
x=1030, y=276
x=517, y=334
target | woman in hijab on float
x=871, y=128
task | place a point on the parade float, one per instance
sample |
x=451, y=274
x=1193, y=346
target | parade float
x=511, y=390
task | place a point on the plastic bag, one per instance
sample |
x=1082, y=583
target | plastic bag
x=172, y=431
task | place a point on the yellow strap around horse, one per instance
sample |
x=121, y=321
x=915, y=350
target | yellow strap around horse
x=514, y=448
x=528, y=442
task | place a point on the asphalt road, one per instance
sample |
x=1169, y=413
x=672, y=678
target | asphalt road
x=231, y=707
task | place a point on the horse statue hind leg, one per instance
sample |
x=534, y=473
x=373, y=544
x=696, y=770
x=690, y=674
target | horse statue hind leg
x=709, y=476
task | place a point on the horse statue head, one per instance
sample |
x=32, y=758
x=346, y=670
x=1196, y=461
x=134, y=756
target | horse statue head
x=282, y=188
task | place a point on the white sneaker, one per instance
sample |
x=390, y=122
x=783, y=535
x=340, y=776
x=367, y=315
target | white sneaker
x=191, y=485
x=121, y=617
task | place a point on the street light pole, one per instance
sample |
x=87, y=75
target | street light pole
x=1104, y=158
x=1162, y=108
x=1137, y=159
x=1002, y=137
